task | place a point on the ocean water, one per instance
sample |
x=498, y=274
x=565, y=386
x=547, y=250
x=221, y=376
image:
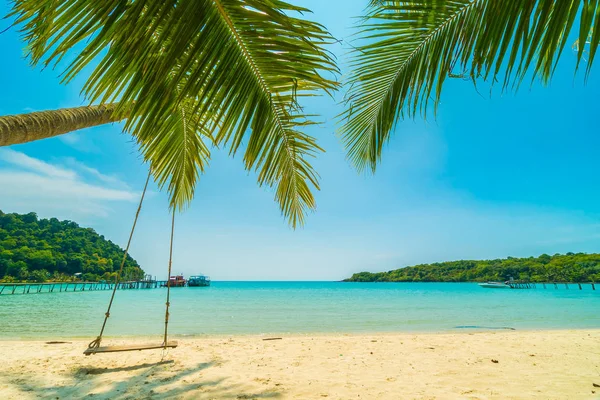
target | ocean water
x=229, y=308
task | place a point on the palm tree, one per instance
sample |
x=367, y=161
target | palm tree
x=407, y=49
x=23, y=128
x=184, y=73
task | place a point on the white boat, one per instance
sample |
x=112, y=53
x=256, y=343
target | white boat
x=494, y=285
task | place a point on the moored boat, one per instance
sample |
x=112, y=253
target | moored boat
x=199, y=281
x=494, y=285
x=177, y=281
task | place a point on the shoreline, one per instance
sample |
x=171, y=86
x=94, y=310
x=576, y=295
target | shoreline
x=548, y=364
x=175, y=336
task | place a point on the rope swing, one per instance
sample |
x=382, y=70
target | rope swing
x=168, y=303
x=94, y=346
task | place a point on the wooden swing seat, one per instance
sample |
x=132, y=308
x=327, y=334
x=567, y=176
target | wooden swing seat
x=117, y=349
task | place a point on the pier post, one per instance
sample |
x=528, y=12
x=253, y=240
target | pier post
x=593, y=287
x=14, y=288
x=579, y=286
x=544, y=285
x=2, y=290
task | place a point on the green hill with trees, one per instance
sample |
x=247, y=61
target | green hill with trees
x=570, y=267
x=39, y=250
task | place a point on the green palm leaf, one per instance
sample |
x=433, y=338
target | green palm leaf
x=177, y=154
x=239, y=66
x=407, y=49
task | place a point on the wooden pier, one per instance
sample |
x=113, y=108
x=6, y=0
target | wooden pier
x=59, y=287
x=555, y=285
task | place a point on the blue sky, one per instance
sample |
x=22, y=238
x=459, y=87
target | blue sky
x=506, y=175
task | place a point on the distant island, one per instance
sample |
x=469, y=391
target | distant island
x=40, y=250
x=570, y=267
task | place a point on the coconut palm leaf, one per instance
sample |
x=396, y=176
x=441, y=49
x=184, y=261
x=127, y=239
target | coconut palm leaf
x=178, y=154
x=407, y=49
x=239, y=66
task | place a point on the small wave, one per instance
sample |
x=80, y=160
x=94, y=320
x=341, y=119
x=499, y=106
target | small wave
x=484, y=327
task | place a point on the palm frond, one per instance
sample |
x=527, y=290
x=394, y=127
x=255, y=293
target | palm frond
x=243, y=64
x=407, y=49
x=177, y=154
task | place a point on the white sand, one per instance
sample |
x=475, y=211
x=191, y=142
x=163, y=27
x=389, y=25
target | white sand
x=531, y=365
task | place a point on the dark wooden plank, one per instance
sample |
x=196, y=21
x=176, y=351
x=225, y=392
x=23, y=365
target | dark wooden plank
x=116, y=349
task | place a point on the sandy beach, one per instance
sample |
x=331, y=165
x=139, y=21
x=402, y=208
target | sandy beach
x=486, y=365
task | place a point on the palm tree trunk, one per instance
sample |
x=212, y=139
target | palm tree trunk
x=23, y=128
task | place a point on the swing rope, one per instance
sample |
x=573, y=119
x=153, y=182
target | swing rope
x=168, y=303
x=96, y=342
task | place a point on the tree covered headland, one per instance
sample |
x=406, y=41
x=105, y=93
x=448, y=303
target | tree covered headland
x=39, y=250
x=569, y=267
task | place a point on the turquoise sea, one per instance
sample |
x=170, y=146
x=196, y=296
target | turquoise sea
x=228, y=308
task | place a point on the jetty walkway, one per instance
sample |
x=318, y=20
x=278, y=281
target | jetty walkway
x=532, y=285
x=52, y=287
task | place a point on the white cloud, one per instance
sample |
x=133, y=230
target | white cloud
x=70, y=139
x=59, y=188
x=108, y=179
x=22, y=160
x=80, y=141
x=30, y=184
